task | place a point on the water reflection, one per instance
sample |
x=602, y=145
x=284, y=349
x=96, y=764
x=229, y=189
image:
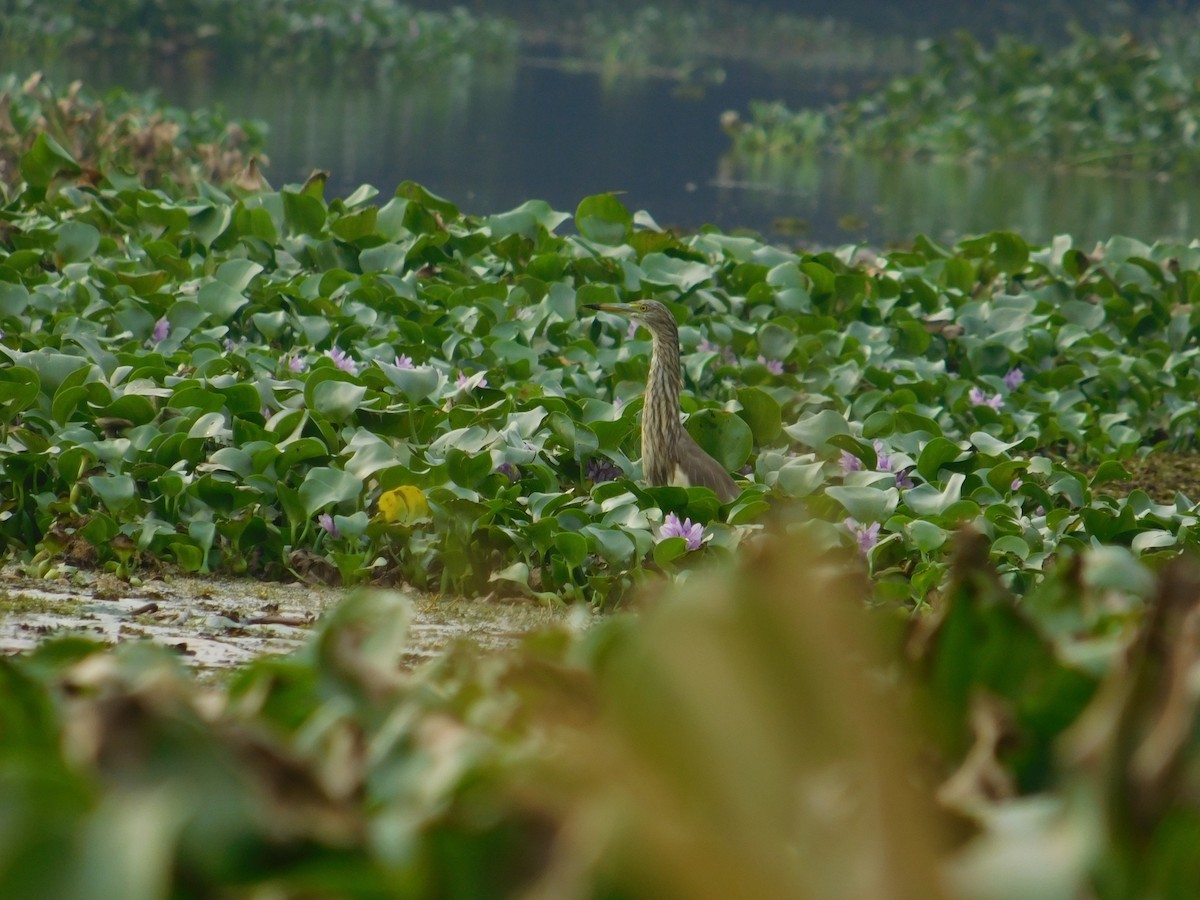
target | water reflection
x=489, y=140
x=842, y=198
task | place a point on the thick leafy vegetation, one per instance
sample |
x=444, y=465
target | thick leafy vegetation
x=279, y=383
x=1101, y=102
x=388, y=388
x=355, y=38
x=695, y=40
x=136, y=140
x=382, y=38
x=669, y=755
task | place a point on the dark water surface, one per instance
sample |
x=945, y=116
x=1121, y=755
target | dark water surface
x=490, y=141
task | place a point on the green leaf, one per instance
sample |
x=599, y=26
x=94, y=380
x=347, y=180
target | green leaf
x=723, y=435
x=384, y=258
x=613, y=544
x=668, y=550
x=52, y=368
x=572, y=546
x=1010, y=543
x=603, y=219
x=13, y=298
x=517, y=573
x=45, y=160
x=416, y=384
x=1109, y=470
x=116, y=491
x=19, y=390
x=990, y=446
x=220, y=301
x=325, y=486
x=816, y=430
x=292, y=504
x=337, y=400
x=238, y=273
x=299, y=451
x=209, y=425
x=189, y=557
x=926, y=536
x=1154, y=539
x=209, y=223
x=77, y=241
x=927, y=500
x=775, y=341
x=762, y=413
x=99, y=529
x=271, y=324
x=410, y=190
x=525, y=220
x=866, y=504
x=466, y=469
x=303, y=213
x=668, y=271
x=800, y=479
x=937, y=453
x=1116, y=568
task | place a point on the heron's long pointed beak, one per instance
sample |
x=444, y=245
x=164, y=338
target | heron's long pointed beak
x=619, y=309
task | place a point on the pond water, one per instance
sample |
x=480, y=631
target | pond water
x=489, y=141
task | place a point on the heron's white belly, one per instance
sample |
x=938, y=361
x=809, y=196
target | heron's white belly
x=679, y=477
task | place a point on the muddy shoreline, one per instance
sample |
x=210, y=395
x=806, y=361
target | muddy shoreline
x=217, y=622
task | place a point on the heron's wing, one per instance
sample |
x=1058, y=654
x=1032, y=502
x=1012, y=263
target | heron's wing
x=700, y=469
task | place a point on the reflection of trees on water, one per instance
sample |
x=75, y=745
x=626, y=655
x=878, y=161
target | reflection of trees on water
x=381, y=135
x=887, y=200
x=489, y=140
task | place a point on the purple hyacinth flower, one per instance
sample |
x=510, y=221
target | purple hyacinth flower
x=1016, y=485
x=866, y=535
x=883, y=459
x=979, y=398
x=774, y=366
x=601, y=470
x=849, y=462
x=509, y=471
x=691, y=532
x=1013, y=379
x=325, y=520
x=903, y=480
x=342, y=360
x=296, y=364
x=464, y=380
x=162, y=328
x=404, y=361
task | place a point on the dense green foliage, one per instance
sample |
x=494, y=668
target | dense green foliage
x=699, y=39
x=383, y=37
x=1107, y=102
x=376, y=37
x=402, y=390
x=725, y=743
x=387, y=388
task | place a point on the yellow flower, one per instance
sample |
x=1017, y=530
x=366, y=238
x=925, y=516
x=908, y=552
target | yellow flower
x=404, y=504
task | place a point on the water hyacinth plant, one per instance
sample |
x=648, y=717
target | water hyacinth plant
x=1107, y=102
x=124, y=134
x=285, y=388
x=356, y=38
x=691, y=532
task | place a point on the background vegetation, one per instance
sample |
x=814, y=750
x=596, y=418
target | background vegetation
x=824, y=692
x=1109, y=102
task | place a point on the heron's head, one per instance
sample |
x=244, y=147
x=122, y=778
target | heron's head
x=650, y=313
